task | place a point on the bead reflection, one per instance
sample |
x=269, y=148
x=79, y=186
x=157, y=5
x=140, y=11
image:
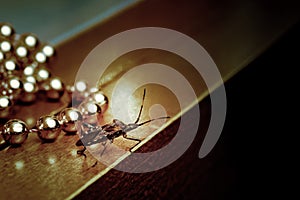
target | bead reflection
x=30, y=121
x=17, y=128
x=50, y=122
x=19, y=164
x=74, y=153
x=51, y=160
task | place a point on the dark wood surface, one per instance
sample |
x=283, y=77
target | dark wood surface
x=251, y=159
x=234, y=33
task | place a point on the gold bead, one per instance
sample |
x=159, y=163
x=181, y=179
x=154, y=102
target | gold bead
x=91, y=112
x=56, y=89
x=80, y=93
x=29, y=92
x=41, y=74
x=15, y=132
x=6, y=30
x=30, y=41
x=5, y=106
x=100, y=99
x=48, y=128
x=70, y=118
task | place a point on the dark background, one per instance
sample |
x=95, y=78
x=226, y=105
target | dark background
x=253, y=157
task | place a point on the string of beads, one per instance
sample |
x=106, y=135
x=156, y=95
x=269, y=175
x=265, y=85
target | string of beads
x=24, y=74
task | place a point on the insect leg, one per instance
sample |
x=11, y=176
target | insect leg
x=105, y=145
x=133, y=139
x=140, y=112
x=81, y=152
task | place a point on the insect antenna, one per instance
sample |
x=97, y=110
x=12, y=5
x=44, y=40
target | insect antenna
x=141, y=124
x=138, y=118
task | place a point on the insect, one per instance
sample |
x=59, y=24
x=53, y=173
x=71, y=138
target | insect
x=108, y=132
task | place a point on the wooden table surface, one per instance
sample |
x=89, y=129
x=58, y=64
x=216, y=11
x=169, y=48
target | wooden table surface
x=233, y=33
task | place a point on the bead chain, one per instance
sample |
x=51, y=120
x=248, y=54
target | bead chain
x=23, y=74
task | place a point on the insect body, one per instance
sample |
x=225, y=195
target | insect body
x=101, y=134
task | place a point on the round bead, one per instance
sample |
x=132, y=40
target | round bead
x=28, y=70
x=41, y=74
x=30, y=40
x=15, y=132
x=10, y=65
x=81, y=86
x=5, y=46
x=48, y=128
x=48, y=50
x=6, y=30
x=80, y=93
x=21, y=51
x=5, y=102
x=55, y=89
x=91, y=112
x=70, y=119
x=29, y=92
x=40, y=57
x=2, y=57
x=100, y=99
x=5, y=106
x=15, y=85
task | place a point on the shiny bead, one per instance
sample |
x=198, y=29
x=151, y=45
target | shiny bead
x=81, y=86
x=41, y=74
x=100, y=99
x=55, y=90
x=11, y=65
x=91, y=112
x=29, y=92
x=70, y=118
x=40, y=57
x=5, y=102
x=21, y=53
x=15, y=132
x=80, y=93
x=2, y=57
x=30, y=41
x=48, y=128
x=5, y=106
x=28, y=70
x=6, y=30
x=48, y=50
x=15, y=85
x=5, y=46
